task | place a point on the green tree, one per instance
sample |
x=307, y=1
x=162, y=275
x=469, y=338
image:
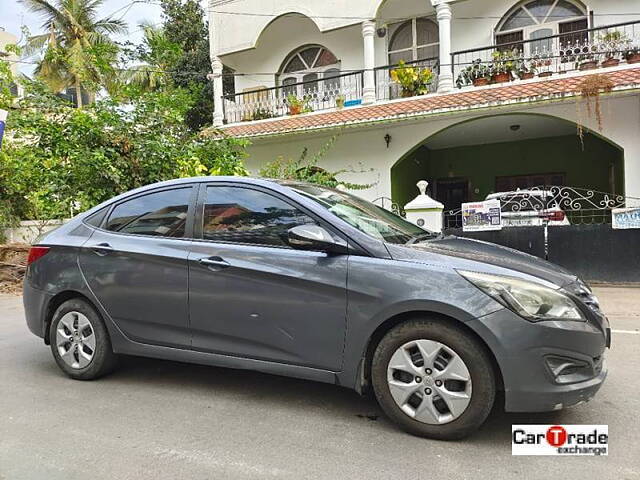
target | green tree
x=185, y=25
x=78, y=51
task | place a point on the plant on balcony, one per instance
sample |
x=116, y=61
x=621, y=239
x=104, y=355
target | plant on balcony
x=542, y=65
x=340, y=99
x=525, y=69
x=587, y=58
x=504, y=63
x=298, y=105
x=413, y=80
x=612, y=45
x=259, y=114
x=632, y=54
x=477, y=73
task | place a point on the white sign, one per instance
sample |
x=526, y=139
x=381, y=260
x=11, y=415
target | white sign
x=624, y=218
x=481, y=216
x=560, y=440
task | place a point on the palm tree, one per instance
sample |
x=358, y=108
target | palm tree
x=158, y=56
x=78, y=50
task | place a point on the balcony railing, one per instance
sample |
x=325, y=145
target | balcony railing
x=587, y=49
x=292, y=99
x=387, y=89
x=333, y=92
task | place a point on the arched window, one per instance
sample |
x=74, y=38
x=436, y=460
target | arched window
x=415, y=39
x=537, y=19
x=309, y=64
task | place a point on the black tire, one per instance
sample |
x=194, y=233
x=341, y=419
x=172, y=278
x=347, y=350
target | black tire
x=470, y=351
x=103, y=361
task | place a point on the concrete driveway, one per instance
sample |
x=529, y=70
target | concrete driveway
x=162, y=420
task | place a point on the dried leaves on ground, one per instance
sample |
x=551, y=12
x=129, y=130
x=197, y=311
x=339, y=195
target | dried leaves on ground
x=13, y=264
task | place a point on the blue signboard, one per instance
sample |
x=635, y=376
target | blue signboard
x=3, y=118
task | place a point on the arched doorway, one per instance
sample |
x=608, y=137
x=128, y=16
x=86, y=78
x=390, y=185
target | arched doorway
x=469, y=160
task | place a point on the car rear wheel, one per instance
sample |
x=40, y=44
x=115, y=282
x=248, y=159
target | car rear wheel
x=433, y=379
x=80, y=342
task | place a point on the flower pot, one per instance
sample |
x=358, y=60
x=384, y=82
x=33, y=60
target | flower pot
x=501, y=77
x=407, y=93
x=635, y=58
x=588, y=65
x=545, y=74
x=339, y=103
x=610, y=62
x=295, y=109
x=480, y=82
x=527, y=76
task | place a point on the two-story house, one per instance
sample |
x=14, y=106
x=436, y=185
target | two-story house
x=522, y=93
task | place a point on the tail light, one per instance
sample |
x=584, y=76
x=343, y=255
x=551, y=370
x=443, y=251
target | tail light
x=556, y=216
x=36, y=253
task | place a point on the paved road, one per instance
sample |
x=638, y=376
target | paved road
x=163, y=420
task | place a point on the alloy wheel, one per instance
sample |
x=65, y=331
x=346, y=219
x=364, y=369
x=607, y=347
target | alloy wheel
x=429, y=381
x=75, y=340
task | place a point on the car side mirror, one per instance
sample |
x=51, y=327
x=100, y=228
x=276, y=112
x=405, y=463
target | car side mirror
x=314, y=237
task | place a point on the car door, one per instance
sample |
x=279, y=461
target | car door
x=136, y=265
x=251, y=294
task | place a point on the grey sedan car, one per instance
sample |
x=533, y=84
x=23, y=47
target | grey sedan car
x=300, y=280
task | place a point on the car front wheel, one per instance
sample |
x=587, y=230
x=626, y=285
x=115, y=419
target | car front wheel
x=433, y=379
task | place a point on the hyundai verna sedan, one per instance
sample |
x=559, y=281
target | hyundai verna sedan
x=301, y=280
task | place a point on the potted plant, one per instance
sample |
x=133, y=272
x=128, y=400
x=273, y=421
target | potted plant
x=542, y=64
x=298, y=105
x=503, y=66
x=478, y=74
x=413, y=80
x=612, y=44
x=525, y=70
x=586, y=58
x=632, y=54
x=340, y=99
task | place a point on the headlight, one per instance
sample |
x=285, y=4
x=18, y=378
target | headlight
x=530, y=300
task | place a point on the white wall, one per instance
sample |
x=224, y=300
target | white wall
x=8, y=38
x=283, y=36
x=365, y=148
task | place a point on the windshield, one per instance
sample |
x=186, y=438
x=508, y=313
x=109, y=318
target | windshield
x=365, y=216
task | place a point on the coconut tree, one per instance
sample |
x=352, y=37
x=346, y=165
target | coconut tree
x=78, y=51
x=157, y=55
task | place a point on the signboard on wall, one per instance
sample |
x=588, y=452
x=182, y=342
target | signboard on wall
x=3, y=118
x=625, y=218
x=481, y=216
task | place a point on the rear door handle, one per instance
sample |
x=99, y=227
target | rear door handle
x=216, y=262
x=102, y=249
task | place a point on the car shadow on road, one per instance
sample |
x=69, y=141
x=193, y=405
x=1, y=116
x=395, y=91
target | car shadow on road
x=266, y=391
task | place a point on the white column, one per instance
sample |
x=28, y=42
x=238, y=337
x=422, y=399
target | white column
x=216, y=78
x=369, y=87
x=445, y=79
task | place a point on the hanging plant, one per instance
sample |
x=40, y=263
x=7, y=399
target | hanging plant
x=590, y=89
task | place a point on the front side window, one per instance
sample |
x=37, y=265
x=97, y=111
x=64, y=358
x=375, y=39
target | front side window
x=536, y=20
x=365, y=216
x=244, y=215
x=415, y=39
x=160, y=214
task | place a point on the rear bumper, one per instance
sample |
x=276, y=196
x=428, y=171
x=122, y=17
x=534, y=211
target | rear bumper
x=35, y=307
x=522, y=350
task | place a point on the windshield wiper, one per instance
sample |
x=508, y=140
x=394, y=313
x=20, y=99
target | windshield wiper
x=424, y=236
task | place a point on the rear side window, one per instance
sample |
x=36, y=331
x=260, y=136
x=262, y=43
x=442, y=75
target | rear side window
x=96, y=219
x=244, y=215
x=160, y=214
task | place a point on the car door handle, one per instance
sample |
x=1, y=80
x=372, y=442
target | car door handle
x=217, y=262
x=102, y=249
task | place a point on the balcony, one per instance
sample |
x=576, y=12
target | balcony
x=336, y=92
x=544, y=57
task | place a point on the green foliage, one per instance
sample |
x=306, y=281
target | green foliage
x=414, y=80
x=305, y=169
x=57, y=160
x=185, y=26
x=77, y=50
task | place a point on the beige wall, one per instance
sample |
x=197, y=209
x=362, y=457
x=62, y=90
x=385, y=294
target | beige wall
x=8, y=38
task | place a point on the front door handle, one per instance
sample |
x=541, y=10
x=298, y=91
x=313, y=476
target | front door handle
x=216, y=262
x=102, y=249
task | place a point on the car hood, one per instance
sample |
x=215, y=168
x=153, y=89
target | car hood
x=485, y=252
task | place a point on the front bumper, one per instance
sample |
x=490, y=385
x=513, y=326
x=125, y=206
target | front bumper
x=522, y=350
